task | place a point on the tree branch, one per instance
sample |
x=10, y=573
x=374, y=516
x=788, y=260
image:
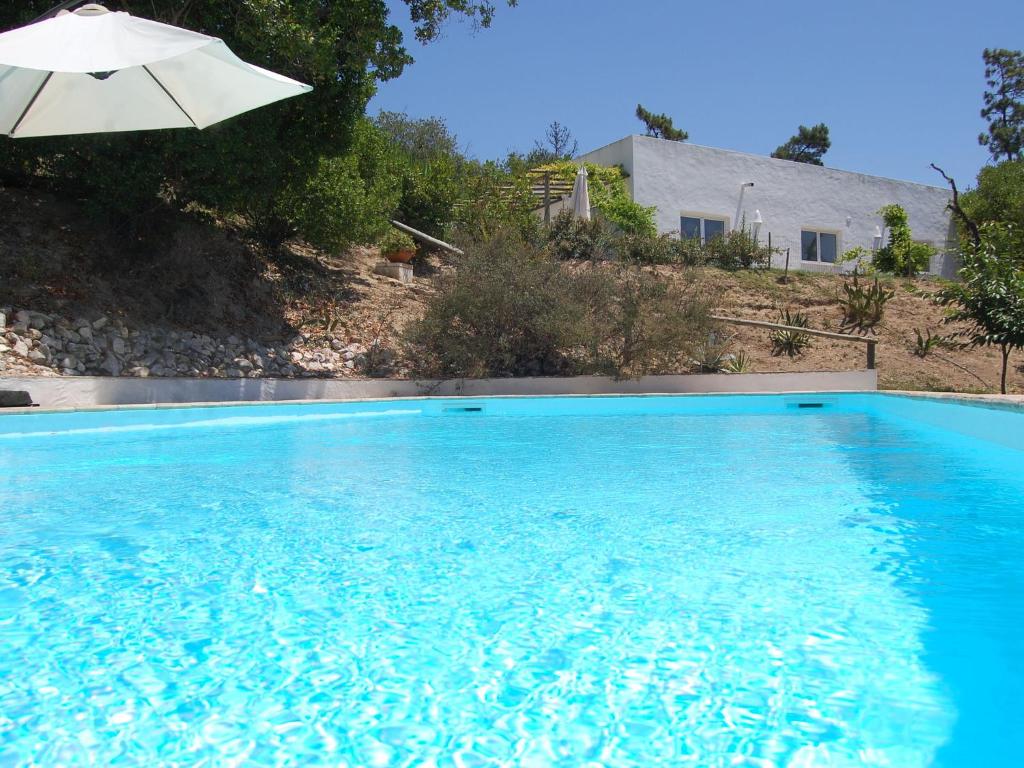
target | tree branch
x=956, y=209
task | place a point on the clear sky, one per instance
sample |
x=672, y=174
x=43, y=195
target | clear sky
x=898, y=82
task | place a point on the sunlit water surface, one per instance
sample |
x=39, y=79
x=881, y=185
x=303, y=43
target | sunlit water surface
x=767, y=588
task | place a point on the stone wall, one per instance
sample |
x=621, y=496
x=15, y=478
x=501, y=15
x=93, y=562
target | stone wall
x=38, y=344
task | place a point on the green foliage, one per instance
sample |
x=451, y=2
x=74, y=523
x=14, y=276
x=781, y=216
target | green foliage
x=570, y=238
x=1004, y=104
x=259, y=164
x=433, y=170
x=998, y=198
x=493, y=201
x=507, y=310
x=863, y=305
x=736, y=249
x=712, y=354
x=809, y=145
x=573, y=238
x=660, y=249
x=350, y=198
x=740, y=363
x=989, y=297
x=650, y=325
x=608, y=194
x=926, y=343
x=901, y=255
x=790, y=343
x=395, y=240
x=660, y=126
x=510, y=309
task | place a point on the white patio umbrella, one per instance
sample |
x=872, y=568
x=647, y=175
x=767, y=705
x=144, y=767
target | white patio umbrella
x=94, y=71
x=581, y=195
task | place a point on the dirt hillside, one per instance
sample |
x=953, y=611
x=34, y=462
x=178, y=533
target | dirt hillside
x=186, y=275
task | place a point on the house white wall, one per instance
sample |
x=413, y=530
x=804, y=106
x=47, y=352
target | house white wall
x=680, y=178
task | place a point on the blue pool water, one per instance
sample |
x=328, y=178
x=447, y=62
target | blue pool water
x=696, y=581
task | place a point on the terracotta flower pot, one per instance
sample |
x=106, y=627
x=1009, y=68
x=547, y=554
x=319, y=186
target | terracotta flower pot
x=400, y=257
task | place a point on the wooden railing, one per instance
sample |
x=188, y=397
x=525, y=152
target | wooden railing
x=871, y=342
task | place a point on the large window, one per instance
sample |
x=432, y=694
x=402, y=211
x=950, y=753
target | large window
x=819, y=246
x=701, y=228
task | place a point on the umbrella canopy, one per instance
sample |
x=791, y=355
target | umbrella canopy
x=581, y=196
x=93, y=71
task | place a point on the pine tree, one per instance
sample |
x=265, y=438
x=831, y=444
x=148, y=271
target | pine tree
x=1004, y=103
x=808, y=146
x=660, y=126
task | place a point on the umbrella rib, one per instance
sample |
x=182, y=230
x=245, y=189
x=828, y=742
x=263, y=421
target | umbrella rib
x=31, y=103
x=169, y=95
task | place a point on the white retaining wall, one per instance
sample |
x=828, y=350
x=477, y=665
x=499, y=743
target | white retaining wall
x=86, y=391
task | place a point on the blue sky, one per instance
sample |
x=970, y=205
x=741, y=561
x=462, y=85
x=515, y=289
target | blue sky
x=898, y=82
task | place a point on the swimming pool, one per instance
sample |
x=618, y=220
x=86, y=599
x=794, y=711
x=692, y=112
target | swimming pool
x=831, y=580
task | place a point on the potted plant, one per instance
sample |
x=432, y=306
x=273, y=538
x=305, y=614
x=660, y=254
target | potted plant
x=396, y=246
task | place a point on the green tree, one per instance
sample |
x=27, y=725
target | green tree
x=809, y=145
x=433, y=173
x=989, y=295
x=1004, y=103
x=998, y=198
x=901, y=255
x=660, y=126
x=350, y=197
x=257, y=164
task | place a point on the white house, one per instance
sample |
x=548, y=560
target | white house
x=816, y=213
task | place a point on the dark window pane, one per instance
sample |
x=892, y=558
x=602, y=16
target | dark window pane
x=809, y=246
x=713, y=228
x=828, y=248
x=689, y=228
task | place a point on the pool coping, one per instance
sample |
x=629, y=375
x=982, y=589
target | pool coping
x=1012, y=403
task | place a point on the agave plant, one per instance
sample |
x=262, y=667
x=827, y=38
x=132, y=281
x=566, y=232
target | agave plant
x=740, y=363
x=791, y=343
x=864, y=305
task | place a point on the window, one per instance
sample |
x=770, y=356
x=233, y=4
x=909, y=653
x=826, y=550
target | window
x=699, y=227
x=819, y=246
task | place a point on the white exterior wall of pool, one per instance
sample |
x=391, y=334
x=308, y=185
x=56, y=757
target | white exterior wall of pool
x=686, y=179
x=99, y=391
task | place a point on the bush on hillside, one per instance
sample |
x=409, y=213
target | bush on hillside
x=350, y=198
x=512, y=309
x=650, y=325
x=507, y=310
x=572, y=238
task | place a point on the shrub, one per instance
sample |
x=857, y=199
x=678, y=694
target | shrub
x=507, y=310
x=573, y=238
x=791, y=343
x=396, y=240
x=351, y=197
x=433, y=170
x=863, y=306
x=901, y=255
x=645, y=249
x=512, y=309
x=652, y=325
x=492, y=202
x=712, y=355
x=736, y=250
x=740, y=363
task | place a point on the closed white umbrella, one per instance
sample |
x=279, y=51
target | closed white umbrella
x=94, y=71
x=581, y=195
